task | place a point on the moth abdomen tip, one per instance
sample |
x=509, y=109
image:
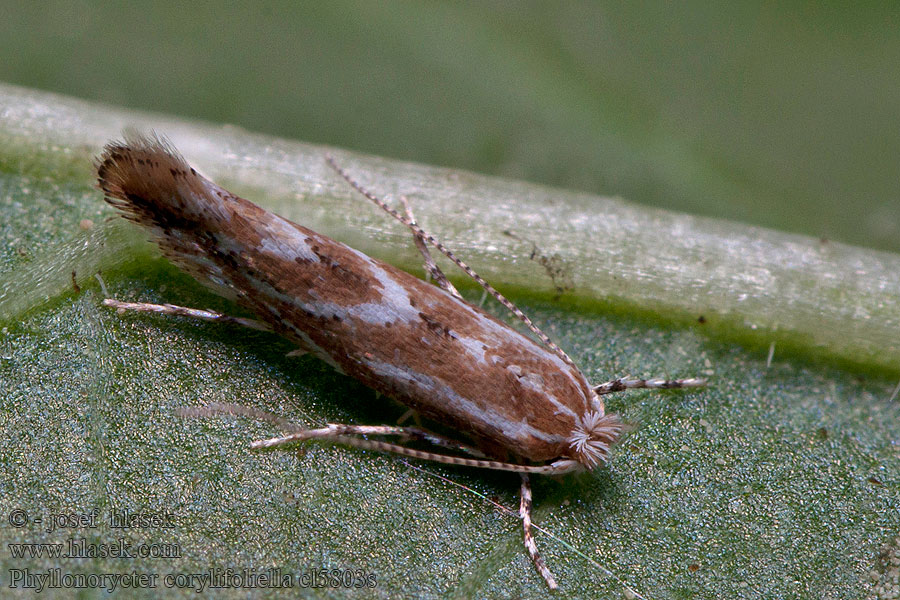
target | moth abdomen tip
x=143, y=176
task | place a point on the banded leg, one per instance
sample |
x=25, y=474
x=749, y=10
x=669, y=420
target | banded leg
x=430, y=266
x=624, y=383
x=195, y=313
x=344, y=435
x=412, y=433
x=183, y=311
x=216, y=409
x=530, y=545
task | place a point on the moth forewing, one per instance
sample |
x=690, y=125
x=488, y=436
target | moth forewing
x=448, y=360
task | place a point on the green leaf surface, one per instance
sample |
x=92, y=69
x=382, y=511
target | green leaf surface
x=779, y=480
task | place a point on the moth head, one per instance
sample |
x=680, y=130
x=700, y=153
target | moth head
x=594, y=433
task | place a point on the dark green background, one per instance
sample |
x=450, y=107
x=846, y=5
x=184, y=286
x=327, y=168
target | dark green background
x=780, y=114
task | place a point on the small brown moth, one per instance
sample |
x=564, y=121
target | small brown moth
x=518, y=405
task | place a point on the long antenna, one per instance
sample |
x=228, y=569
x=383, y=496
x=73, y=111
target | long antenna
x=449, y=254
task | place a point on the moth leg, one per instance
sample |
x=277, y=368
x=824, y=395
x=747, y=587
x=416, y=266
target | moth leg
x=431, y=267
x=410, y=414
x=215, y=409
x=346, y=435
x=414, y=433
x=183, y=311
x=658, y=383
x=530, y=545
